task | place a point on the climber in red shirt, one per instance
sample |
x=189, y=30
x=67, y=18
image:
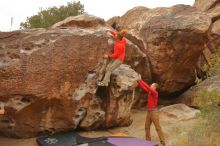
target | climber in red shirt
x=152, y=114
x=117, y=57
x=119, y=46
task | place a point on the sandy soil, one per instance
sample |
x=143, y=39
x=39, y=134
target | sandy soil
x=175, y=131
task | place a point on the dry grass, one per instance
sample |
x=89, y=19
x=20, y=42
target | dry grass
x=208, y=97
x=214, y=63
x=207, y=132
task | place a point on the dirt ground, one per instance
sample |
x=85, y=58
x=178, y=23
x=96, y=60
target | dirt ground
x=176, y=132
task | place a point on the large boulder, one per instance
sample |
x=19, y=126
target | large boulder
x=114, y=107
x=173, y=40
x=48, y=79
x=83, y=21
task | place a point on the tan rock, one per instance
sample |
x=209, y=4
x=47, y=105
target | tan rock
x=203, y=94
x=214, y=38
x=216, y=28
x=112, y=106
x=114, y=21
x=83, y=20
x=214, y=13
x=48, y=79
x=178, y=112
x=205, y=5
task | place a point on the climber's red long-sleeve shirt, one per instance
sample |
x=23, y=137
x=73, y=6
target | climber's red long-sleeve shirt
x=152, y=95
x=119, y=48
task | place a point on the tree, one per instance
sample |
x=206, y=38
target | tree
x=52, y=15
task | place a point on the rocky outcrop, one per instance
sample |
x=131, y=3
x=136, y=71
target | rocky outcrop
x=216, y=28
x=178, y=112
x=82, y=21
x=212, y=9
x=207, y=92
x=203, y=94
x=115, y=105
x=215, y=36
x=172, y=38
x=48, y=79
x=204, y=5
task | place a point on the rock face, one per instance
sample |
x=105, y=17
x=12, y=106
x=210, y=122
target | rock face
x=48, y=79
x=214, y=39
x=207, y=92
x=178, y=112
x=216, y=28
x=212, y=9
x=203, y=94
x=204, y=5
x=173, y=40
x=116, y=102
x=83, y=21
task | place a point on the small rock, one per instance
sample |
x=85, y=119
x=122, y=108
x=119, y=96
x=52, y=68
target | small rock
x=178, y=112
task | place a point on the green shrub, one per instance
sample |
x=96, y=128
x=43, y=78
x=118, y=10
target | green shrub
x=52, y=15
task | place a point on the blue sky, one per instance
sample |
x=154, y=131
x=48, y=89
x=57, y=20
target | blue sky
x=21, y=9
